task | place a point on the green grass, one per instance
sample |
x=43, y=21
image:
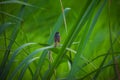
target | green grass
x=89, y=45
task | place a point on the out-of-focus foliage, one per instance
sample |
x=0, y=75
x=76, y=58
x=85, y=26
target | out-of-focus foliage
x=89, y=50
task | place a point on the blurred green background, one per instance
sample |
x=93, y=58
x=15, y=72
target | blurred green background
x=96, y=37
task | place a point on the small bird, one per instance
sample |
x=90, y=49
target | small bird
x=57, y=38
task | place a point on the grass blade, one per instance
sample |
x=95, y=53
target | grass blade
x=106, y=54
x=83, y=44
x=18, y=18
x=4, y=26
x=16, y=2
x=13, y=36
x=116, y=69
x=57, y=26
x=8, y=66
x=104, y=67
x=64, y=17
x=27, y=59
x=25, y=67
x=74, y=32
x=102, y=63
x=50, y=41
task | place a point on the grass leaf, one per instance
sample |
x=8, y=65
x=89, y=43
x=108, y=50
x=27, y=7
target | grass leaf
x=83, y=44
x=50, y=41
x=27, y=59
x=9, y=64
x=4, y=26
x=13, y=37
x=16, y=2
x=25, y=67
x=72, y=35
x=18, y=18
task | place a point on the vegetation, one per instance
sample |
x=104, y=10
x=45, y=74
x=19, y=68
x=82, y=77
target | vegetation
x=89, y=40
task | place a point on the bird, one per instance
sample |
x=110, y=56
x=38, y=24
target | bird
x=57, y=39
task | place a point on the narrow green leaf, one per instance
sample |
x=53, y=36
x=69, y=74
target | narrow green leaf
x=13, y=37
x=57, y=26
x=43, y=44
x=4, y=26
x=9, y=64
x=116, y=70
x=90, y=61
x=50, y=41
x=25, y=67
x=71, y=50
x=74, y=32
x=104, y=67
x=27, y=59
x=82, y=57
x=16, y=2
x=18, y=18
x=97, y=57
x=102, y=63
x=83, y=44
x=62, y=8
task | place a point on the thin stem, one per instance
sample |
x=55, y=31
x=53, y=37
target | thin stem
x=112, y=51
x=51, y=61
x=64, y=16
x=4, y=34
